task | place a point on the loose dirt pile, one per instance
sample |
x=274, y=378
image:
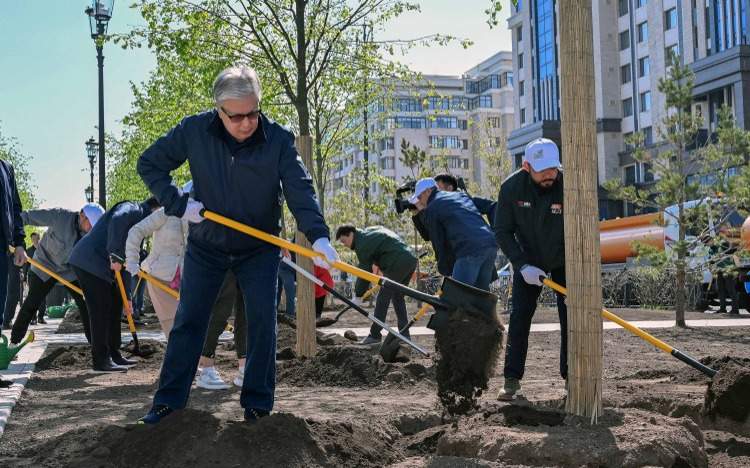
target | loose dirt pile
x=467, y=347
x=525, y=435
x=347, y=366
x=79, y=356
x=686, y=374
x=728, y=395
x=192, y=438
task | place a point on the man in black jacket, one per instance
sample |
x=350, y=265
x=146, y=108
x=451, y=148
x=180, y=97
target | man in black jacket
x=529, y=230
x=241, y=163
x=11, y=230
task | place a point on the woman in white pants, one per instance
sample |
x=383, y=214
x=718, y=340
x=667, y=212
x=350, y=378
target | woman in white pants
x=164, y=262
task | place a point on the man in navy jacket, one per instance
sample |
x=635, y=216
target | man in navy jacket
x=457, y=230
x=241, y=164
x=11, y=230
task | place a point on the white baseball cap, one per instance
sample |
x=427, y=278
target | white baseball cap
x=422, y=185
x=542, y=154
x=92, y=211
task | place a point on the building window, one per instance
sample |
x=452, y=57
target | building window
x=520, y=60
x=624, y=40
x=623, y=7
x=625, y=74
x=388, y=163
x=519, y=34
x=643, y=32
x=641, y=3
x=441, y=142
x=454, y=162
x=644, y=66
x=493, y=122
x=670, y=19
x=463, y=124
x=648, y=136
x=645, y=100
x=386, y=144
x=671, y=50
x=627, y=107
x=407, y=104
x=485, y=101
x=520, y=88
x=631, y=175
x=409, y=122
x=443, y=122
x=523, y=116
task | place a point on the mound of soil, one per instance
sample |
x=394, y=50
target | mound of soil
x=467, y=349
x=286, y=336
x=526, y=435
x=686, y=374
x=79, y=356
x=346, y=366
x=198, y=439
x=728, y=394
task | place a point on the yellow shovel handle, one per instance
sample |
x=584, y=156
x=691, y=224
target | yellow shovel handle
x=285, y=244
x=125, y=302
x=159, y=284
x=54, y=275
x=422, y=311
x=370, y=292
x=614, y=318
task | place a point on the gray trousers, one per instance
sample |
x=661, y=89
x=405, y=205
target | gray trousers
x=228, y=300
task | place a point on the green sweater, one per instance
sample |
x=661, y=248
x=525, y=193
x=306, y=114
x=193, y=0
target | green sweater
x=379, y=246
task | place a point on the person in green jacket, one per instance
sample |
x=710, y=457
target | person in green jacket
x=376, y=245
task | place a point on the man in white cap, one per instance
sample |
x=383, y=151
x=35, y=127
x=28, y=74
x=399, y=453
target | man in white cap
x=529, y=229
x=64, y=229
x=463, y=241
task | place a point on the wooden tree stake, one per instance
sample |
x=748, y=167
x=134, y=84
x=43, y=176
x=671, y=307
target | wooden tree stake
x=306, y=342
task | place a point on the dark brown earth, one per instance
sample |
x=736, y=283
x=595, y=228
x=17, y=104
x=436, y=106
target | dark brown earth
x=653, y=415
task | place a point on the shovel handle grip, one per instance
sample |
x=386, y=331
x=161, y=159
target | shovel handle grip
x=125, y=303
x=291, y=246
x=421, y=312
x=54, y=275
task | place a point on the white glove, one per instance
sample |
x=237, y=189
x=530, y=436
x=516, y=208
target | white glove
x=193, y=211
x=533, y=275
x=323, y=245
x=133, y=268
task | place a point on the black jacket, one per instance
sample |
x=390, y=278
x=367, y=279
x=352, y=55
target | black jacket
x=10, y=216
x=242, y=181
x=529, y=222
x=456, y=228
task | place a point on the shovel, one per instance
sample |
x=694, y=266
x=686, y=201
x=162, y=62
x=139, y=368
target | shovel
x=354, y=306
x=389, y=348
x=54, y=275
x=687, y=359
x=327, y=322
x=159, y=284
x=128, y=314
x=455, y=296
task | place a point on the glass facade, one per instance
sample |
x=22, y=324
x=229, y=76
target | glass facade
x=547, y=87
x=729, y=23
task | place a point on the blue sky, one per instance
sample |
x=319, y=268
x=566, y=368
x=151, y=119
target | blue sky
x=48, y=77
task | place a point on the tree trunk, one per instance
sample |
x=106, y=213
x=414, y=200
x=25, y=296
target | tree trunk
x=305, y=289
x=582, y=254
x=680, y=273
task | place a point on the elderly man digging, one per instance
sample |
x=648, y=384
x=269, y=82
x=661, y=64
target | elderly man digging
x=241, y=163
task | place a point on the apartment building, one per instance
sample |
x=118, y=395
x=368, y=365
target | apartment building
x=453, y=118
x=632, y=40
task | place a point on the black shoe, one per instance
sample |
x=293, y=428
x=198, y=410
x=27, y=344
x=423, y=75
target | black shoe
x=5, y=383
x=41, y=321
x=109, y=366
x=157, y=413
x=33, y=322
x=121, y=361
x=252, y=415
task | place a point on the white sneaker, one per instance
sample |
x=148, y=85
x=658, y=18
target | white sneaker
x=209, y=379
x=240, y=378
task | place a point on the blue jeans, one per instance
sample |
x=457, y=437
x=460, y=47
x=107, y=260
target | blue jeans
x=138, y=296
x=203, y=275
x=476, y=270
x=524, y=298
x=288, y=281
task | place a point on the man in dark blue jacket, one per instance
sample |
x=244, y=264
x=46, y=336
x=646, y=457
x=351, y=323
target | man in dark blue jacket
x=241, y=163
x=456, y=227
x=11, y=230
x=94, y=260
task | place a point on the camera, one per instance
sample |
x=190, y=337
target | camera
x=401, y=203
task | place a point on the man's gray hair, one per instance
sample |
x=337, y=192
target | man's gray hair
x=237, y=82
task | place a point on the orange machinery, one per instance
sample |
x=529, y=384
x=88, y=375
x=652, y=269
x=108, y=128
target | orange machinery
x=617, y=236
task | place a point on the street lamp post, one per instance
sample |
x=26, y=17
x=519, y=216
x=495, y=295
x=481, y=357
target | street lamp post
x=91, y=147
x=99, y=13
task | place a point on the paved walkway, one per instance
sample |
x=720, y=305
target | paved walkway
x=21, y=369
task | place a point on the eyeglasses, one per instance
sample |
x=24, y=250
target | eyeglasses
x=238, y=118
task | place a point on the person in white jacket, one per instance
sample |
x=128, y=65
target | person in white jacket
x=164, y=262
